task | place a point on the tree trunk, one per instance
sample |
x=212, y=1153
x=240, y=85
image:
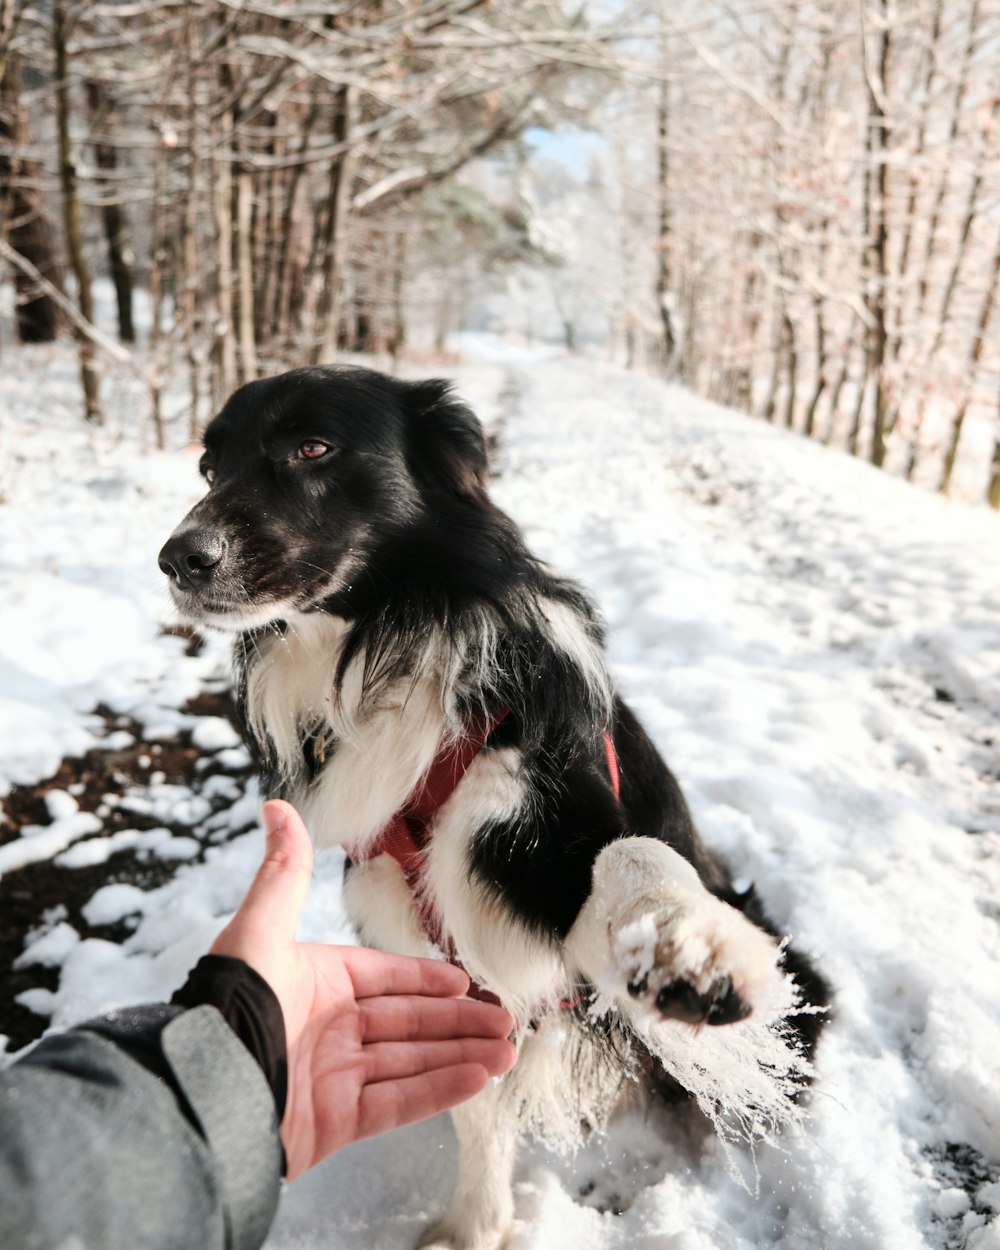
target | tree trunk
x=975, y=357
x=668, y=345
x=931, y=249
x=10, y=19
x=71, y=214
x=224, y=348
x=777, y=338
x=190, y=301
x=687, y=368
x=809, y=424
x=748, y=321
x=338, y=202
x=264, y=236
x=791, y=369
x=112, y=213
x=993, y=492
x=835, y=391
x=23, y=220
x=858, y=411
x=287, y=269
x=916, y=159
x=156, y=268
x=781, y=352
x=244, y=256
x=398, y=338
x=950, y=146
x=877, y=226
x=958, y=259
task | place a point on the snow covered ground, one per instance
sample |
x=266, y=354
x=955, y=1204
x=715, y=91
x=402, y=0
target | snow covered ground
x=814, y=645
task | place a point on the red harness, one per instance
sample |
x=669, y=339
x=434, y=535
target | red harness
x=405, y=837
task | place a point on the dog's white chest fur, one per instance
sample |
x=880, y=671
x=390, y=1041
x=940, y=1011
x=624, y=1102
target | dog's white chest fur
x=378, y=755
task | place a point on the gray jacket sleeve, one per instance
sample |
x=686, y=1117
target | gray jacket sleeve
x=97, y=1153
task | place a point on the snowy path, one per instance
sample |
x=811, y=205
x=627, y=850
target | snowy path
x=794, y=627
x=815, y=647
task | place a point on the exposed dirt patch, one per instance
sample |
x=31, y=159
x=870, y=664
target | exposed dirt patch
x=99, y=781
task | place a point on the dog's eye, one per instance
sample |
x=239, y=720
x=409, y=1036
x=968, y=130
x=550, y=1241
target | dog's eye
x=208, y=473
x=312, y=449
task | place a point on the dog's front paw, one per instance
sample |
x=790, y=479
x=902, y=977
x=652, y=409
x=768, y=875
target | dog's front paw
x=698, y=960
x=721, y=1003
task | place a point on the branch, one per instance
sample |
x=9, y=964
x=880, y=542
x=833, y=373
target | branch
x=97, y=337
x=406, y=181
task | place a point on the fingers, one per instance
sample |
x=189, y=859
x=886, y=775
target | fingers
x=391, y=1104
x=407, y=1081
x=278, y=891
x=373, y=972
x=401, y=1017
x=394, y=1061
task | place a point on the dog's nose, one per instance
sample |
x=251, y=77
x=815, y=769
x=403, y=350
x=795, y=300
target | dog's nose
x=190, y=558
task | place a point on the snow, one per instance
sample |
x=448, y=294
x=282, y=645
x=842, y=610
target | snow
x=816, y=648
x=114, y=902
x=39, y=842
x=50, y=947
x=60, y=804
x=212, y=733
x=160, y=842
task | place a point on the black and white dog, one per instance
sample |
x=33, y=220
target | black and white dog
x=437, y=702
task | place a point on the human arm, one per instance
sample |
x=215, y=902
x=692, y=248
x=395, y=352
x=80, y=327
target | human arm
x=106, y=1133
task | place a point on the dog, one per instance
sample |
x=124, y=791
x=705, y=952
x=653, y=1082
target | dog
x=437, y=702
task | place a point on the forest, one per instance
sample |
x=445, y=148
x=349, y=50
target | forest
x=790, y=206
x=719, y=278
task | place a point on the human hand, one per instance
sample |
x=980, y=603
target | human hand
x=374, y=1040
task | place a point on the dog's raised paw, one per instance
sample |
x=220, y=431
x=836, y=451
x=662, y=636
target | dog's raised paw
x=699, y=961
x=722, y=1004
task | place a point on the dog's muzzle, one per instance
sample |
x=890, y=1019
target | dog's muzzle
x=190, y=558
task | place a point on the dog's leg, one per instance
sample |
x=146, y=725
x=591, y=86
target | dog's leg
x=482, y=1206
x=381, y=907
x=655, y=939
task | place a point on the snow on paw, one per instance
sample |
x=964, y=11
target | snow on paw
x=698, y=960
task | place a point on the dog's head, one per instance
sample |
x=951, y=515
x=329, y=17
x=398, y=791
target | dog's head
x=309, y=475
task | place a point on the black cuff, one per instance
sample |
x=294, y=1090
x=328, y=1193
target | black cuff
x=251, y=1009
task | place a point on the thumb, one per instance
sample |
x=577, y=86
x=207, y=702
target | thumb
x=276, y=895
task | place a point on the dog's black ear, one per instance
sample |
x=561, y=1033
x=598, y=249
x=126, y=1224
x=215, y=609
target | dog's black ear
x=445, y=446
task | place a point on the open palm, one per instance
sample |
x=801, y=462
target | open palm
x=374, y=1040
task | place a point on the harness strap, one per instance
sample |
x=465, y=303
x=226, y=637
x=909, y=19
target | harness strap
x=612, y=758
x=405, y=836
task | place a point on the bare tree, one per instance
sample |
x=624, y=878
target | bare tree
x=975, y=359
x=876, y=59
x=62, y=24
x=333, y=235
x=993, y=490
x=785, y=246
x=279, y=174
x=101, y=106
x=664, y=242
x=24, y=222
